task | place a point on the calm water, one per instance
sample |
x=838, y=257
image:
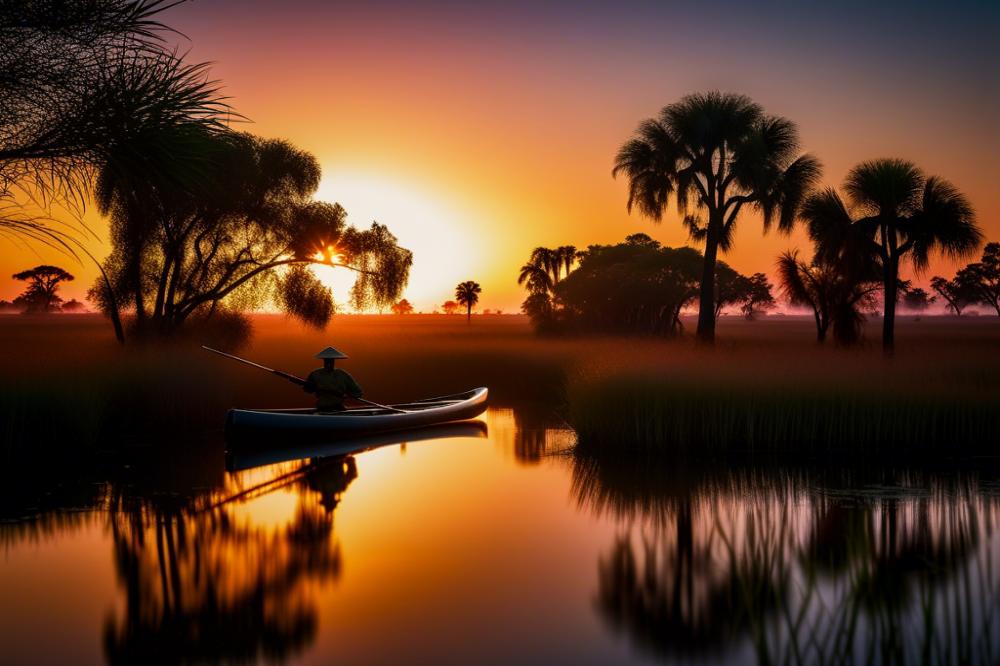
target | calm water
x=492, y=545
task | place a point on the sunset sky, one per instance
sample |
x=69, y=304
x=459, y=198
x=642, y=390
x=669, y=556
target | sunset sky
x=477, y=131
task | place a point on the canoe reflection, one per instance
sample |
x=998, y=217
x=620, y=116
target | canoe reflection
x=249, y=452
x=796, y=563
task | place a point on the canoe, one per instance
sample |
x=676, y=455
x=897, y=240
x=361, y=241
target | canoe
x=247, y=453
x=419, y=413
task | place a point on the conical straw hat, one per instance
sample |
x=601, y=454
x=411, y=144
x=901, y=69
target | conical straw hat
x=330, y=352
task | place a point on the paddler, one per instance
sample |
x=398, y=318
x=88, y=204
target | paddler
x=331, y=384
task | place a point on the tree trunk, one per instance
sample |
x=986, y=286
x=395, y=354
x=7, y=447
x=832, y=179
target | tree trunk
x=890, y=279
x=706, y=306
x=821, y=326
x=468, y=313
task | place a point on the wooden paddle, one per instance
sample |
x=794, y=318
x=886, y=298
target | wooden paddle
x=296, y=380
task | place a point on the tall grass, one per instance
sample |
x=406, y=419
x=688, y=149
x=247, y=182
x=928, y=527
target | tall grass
x=940, y=393
x=68, y=388
x=655, y=414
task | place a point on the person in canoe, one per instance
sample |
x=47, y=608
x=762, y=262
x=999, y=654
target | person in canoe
x=330, y=384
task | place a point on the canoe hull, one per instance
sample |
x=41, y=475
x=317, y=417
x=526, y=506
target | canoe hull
x=418, y=414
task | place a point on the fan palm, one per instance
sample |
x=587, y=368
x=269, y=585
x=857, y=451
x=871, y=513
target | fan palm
x=835, y=296
x=535, y=278
x=893, y=212
x=467, y=294
x=716, y=153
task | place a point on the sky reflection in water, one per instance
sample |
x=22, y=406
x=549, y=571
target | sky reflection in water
x=499, y=548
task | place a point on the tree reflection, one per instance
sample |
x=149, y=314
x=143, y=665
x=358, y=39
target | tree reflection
x=797, y=563
x=204, y=583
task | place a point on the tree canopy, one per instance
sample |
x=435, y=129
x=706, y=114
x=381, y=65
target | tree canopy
x=714, y=154
x=981, y=279
x=467, y=294
x=633, y=287
x=43, y=283
x=81, y=79
x=244, y=234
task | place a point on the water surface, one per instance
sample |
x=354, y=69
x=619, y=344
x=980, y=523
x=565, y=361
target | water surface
x=495, y=545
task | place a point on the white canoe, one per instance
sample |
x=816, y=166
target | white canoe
x=430, y=411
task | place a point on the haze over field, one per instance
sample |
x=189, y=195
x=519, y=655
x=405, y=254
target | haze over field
x=478, y=131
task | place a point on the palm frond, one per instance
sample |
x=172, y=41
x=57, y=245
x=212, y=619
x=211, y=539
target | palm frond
x=945, y=221
x=885, y=187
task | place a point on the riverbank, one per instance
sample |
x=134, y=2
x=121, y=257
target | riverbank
x=69, y=388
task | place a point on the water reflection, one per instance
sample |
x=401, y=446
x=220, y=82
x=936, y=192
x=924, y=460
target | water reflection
x=307, y=552
x=208, y=572
x=798, y=564
x=203, y=583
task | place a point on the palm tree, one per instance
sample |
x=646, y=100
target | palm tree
x=535, y=278
x=467, y=293
x=893, y=211
x=836, y=296
x=718, y=153
x=566, y=256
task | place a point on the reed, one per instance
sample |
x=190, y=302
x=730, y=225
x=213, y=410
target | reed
x=689, y=415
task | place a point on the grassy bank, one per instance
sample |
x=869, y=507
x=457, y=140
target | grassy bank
x=937, y=395
x=69, y=389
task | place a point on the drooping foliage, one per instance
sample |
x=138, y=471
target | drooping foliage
x=956, y=294
x=837, y=295
x=82, y=78
x=714, y=154
x=186, y=249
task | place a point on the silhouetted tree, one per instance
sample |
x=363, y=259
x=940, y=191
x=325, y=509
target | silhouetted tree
x=917, y=299
x=7, y=306
x=982, y=279
x=43, y=283
x=730, y=287
x=895, y=212
x=184, y=249
x=540, y=275
x=73, y=305
x=717, y=153
x=956, y=294
x=757, y=295
x=467, y=294
x=402, y=307
x=77, y=76
x=450, y=307
x=632, y=287
x=836, y=295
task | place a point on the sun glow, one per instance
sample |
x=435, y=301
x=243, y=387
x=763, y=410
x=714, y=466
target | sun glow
x=445, y=252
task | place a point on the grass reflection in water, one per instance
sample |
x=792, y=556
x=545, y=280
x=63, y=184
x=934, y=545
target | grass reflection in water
x=798, y=564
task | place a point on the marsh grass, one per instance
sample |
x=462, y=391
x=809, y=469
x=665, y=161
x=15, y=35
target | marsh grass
x=67, y=388
x=939, y=394
x=637, y=412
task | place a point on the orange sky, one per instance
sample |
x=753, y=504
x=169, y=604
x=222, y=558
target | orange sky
x=477, y=134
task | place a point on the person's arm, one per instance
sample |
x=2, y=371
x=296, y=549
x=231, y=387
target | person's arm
x=353, y=388
x=310, y=385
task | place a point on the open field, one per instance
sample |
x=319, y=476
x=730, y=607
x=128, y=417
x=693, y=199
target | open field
x=68, y=387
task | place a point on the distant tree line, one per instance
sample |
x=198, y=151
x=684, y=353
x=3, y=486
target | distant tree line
x=976, y=284
x=635, y=287
x=641, y=287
